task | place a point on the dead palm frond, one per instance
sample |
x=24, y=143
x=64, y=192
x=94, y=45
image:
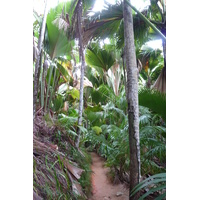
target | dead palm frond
x=61, y=24
x=160, y=83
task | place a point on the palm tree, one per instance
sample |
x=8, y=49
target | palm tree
x=42, y=31
x=110, y=22
x=78, y=9
x=152, y=62
x=132, y=99
x=57, y=45
x=158, y=18
x=82, y=59
x=157, y=21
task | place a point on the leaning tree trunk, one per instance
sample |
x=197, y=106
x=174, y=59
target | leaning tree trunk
x=82, y=59
x=40, y=41
x=133, y=108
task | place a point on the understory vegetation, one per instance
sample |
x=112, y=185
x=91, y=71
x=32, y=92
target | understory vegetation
x=61, y=170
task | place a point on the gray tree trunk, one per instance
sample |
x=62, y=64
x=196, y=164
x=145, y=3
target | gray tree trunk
x=82, y=60
x=132, y=98
x=40, y=42
x=164, y=52
x=124, y=69
x=43, y=85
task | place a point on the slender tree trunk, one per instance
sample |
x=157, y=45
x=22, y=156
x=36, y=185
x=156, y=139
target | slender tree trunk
x=43, y=86
x=82, y=59
x=40, y=42
x=124, y=69
x=40, y=76
x=133, y=108
x=164, y=52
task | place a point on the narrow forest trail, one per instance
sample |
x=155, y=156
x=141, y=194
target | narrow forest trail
x=103, y=189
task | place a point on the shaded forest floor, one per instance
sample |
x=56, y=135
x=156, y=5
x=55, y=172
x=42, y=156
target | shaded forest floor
x=103, y=189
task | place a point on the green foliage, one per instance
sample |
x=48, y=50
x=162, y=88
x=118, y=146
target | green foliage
x=84, y=160
x=63, y=71
x=59, y=45
x=74, y=93
x=97, y=129
x=106, y=114
x=113, y=143
x=57, y=103
x=53, y=176
x=68, y=123
x=107, y=21
x=99, y=58
x=159, y=184
x=153, y=100
x=155, y=63
x=95, y=118
x=93, y=76
x=102, y=94
x=96, y=108
x=73, y=112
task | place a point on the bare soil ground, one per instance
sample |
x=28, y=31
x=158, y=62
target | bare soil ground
x=103, y=189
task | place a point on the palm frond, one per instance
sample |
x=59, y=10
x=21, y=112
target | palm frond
x=58, y=42
x=103, y=24
x=154, y=100
x=160, y=83
x=98, y=57
x=93, y=76
x=95, y=118
x=115, y=111
x=159, y=180
x=102, y=94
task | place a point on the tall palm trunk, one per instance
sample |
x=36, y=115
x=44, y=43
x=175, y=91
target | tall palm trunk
x=164, y=52
x=40, y=41
x=132, y=88
x=82, y=59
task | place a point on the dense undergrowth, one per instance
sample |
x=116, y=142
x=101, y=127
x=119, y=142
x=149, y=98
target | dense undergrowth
x=60, y=170
x=108, y=134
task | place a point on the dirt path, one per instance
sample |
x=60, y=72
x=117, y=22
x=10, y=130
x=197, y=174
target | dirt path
x=102, y=188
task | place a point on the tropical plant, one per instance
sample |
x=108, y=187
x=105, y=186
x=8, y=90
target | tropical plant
x=154, y=100
x=40, y=41
x=100, y=59
x=132, y=98
x=131, y=136
x=153, y=62
x=156, y=183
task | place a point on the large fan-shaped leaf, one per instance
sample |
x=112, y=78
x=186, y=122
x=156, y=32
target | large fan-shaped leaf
x=98, y=57
x=105, y=23
x=58, y=43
